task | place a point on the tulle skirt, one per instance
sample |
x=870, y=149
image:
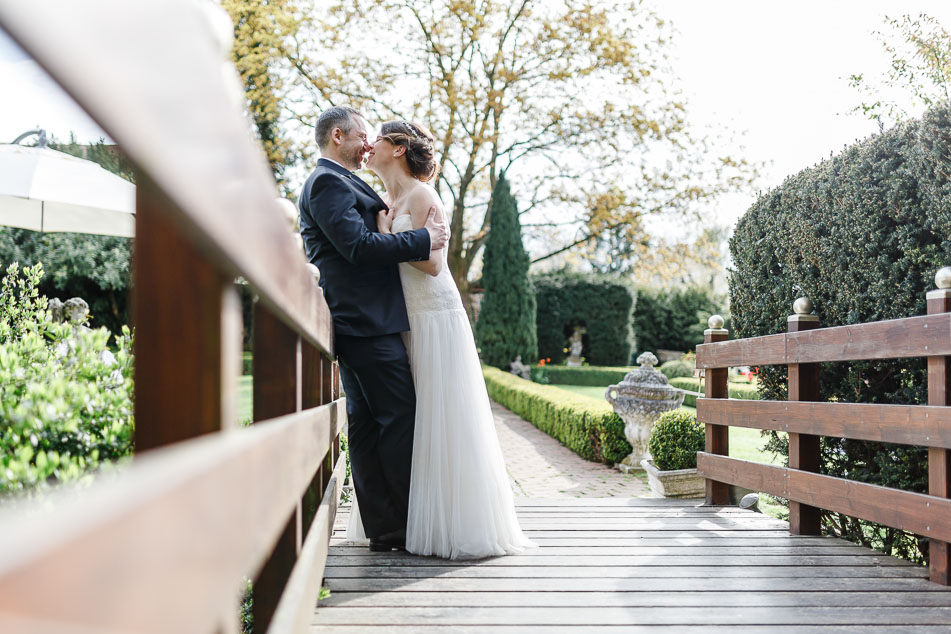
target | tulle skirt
x=460, y=499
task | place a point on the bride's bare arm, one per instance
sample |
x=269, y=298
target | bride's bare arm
x=420, y=201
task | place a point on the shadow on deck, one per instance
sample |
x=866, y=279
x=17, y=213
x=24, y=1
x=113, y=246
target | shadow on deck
x=630, y=565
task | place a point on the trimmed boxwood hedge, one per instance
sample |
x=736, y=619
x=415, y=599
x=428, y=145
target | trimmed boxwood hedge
x=605, y=307
x=590, y=375
x=589, y=428
x=736, y=390
x=675, y=440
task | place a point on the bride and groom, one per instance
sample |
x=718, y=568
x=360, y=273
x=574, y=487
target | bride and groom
x=426, y=465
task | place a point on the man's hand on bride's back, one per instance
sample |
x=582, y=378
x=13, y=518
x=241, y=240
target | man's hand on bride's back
x=438, y=232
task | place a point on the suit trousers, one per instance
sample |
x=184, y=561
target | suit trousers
x=381, y=408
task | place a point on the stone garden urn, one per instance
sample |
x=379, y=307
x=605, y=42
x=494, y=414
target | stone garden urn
x=639, y=400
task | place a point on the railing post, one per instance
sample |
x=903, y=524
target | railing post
x=717, y=436
x=277, y=391
x=312, y=362
x=187, y=331
x=939, y=393
x=803, y=448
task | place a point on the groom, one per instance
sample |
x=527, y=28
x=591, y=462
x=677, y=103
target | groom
x=361, y=283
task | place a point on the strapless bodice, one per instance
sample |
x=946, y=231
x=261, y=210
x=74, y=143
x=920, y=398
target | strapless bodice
x=423, y=292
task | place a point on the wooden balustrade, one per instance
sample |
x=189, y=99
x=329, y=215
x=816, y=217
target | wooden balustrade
x=806, y=420
x=163, y=545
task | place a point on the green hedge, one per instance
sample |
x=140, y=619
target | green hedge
x=673, y=319
x=588, y=427
x=862, y=235
x=591, y=375
x=604, y=307
x=736, y=390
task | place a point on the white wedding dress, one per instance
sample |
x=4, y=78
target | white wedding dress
x=460, y=499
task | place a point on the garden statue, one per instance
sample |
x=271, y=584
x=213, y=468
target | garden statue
x=56, y=309
x=520, y=369
x=639, y=400
x=575, y=347
x=75, y=311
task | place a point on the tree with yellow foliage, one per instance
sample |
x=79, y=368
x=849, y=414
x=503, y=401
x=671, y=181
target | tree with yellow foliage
x=261, y=30
x=573, y=100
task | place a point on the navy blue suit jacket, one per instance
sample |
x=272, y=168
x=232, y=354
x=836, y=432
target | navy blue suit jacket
x=358, y=265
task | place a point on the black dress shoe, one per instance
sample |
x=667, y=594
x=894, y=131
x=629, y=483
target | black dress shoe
x=388, y=541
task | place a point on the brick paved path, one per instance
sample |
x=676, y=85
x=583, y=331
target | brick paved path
x=540, y=467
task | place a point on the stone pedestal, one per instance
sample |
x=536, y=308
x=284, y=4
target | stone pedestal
x=639, y=400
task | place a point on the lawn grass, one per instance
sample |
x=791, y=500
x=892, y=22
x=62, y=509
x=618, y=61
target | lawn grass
x=244, y=399
x=585, y=390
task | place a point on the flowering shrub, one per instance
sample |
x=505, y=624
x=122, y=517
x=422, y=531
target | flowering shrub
x=65, y=397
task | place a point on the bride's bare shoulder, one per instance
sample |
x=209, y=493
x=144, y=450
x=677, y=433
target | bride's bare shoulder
x=424, y=194
x=421, y=198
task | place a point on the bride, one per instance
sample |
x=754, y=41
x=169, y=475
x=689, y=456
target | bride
x=460, y=499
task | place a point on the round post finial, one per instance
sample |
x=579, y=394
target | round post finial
x=942, y=278
x=802, y=306
x=715, y=326
x=802, y=309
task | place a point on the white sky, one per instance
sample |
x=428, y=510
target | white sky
x=775, y=72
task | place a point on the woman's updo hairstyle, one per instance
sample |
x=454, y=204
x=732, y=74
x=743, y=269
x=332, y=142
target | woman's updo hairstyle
x=418, y=141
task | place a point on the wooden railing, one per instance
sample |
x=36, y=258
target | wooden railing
x=164, y=544
x=805, y=420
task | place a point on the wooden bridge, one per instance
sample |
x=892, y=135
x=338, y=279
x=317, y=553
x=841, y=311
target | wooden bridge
x=632, y=565
x=164, y=544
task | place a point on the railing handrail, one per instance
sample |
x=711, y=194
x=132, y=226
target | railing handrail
x=928, y=335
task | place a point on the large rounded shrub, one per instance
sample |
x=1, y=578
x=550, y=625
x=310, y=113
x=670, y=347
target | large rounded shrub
x=861, y=234
x=675, y=441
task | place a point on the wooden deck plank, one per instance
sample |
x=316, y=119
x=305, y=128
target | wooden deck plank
x=634, y=565
x=637, y=599
x=618, y=629
x=640, y=584
x=625, y=561
x=771, y=616
x=675, y=550
x=465, y=571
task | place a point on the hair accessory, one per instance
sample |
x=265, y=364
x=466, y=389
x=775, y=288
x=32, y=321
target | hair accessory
x=411, y=128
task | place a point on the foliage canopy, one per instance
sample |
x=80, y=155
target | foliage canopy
x=573, y=100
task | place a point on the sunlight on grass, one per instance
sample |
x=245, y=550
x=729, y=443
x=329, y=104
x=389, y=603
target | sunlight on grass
x=244, y=399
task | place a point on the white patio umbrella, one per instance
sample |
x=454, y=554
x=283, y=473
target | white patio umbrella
x=45, y=190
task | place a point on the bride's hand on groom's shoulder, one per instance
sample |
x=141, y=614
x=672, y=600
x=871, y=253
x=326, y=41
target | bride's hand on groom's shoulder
x=384, y=221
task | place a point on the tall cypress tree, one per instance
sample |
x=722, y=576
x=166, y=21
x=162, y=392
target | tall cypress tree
x=506, y=323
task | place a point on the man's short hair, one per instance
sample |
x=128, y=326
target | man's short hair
x=336, y=117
